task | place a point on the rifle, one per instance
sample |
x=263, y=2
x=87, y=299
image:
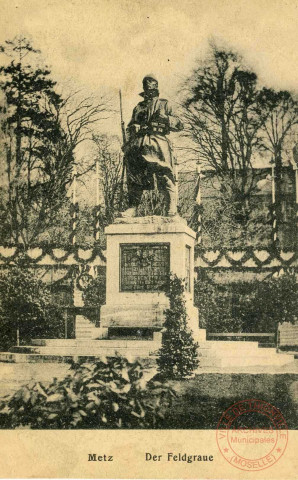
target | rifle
x=122, y=121
x=124, y=159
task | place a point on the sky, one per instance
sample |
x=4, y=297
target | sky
x=103, y=45
x=110, y=44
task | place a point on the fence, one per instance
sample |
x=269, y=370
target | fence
x=247, y=258
x=75, y=265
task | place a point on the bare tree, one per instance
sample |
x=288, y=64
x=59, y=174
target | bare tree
x=80, y=116
x=223, y=114
x=41, y=131
x=279, y=129
x=110, y=160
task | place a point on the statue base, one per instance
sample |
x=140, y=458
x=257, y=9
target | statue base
x=141, y=253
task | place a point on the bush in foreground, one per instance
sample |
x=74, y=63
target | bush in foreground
x=109, y=393
x=178, y=356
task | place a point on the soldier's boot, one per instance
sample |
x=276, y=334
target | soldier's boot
x=170, y=197
x=172, y=206
x=134, y=200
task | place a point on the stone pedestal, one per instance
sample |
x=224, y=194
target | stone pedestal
x=141, y=252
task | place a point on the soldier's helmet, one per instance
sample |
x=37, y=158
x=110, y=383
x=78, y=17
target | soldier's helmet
x=150, y=76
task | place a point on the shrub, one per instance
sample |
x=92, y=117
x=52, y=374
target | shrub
x=178, y=356
x=109, y=393
x=246, y=306
x=215, y=304
x=276, y=302
x=94, y=294
x=25, y=306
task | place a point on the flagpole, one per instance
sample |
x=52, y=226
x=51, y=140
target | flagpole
x=274, y=217
x=74, y=206
x=199, y=203
x=97, y=208
x=294, y=162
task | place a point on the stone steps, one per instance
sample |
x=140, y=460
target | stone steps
x=249, y=361
x=74, y=347
x=241, y=354
x=211, y=354
x=231, y=362
x=85, y=329
x=220, y=348
x=103, y=351
x=220, y=353
x=8, y=357
x=92, y=343
x=228, y=345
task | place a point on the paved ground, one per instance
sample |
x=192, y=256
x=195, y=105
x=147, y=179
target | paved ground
x=14, y=375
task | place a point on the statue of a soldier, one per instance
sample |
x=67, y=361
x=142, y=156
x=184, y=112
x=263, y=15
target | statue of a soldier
x=148, y=151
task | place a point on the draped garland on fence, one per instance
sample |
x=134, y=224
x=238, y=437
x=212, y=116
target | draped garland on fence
x=36, y=254
x=248, y=257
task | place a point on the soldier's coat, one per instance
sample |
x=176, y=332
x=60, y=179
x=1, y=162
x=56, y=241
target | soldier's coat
x=150, y=152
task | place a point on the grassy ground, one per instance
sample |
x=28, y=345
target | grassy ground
x=202, y=400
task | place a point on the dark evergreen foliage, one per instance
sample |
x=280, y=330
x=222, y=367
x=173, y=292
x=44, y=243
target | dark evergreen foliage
x=25, y=307
x=94, y=294
x=178, y=356
x=249, y=307
x=37, y=156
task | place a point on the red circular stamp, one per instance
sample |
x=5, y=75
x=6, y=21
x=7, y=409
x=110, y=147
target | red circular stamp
x=252, y=435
